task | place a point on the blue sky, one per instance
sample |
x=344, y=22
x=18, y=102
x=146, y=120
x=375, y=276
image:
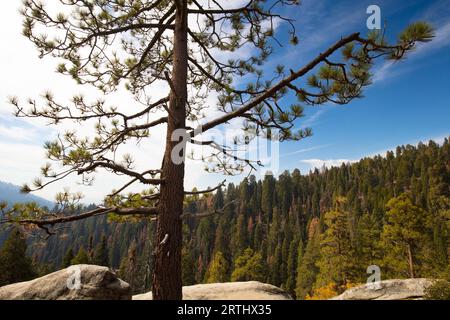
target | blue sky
x=408, y=102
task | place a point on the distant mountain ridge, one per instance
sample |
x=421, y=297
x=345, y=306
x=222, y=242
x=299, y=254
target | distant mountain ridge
x=11, y=194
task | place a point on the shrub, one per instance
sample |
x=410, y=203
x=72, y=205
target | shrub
x=439, y=290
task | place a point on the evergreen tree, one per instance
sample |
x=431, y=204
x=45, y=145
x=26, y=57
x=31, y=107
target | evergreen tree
x=136, y=44
x=90, y=248
x=367, y=245
x=337, y=252
x=403, y=237
x=249, y=266
x=82, y=257
x=219, y=201
x=188, y=267
x=218, y=269
x=307, y=269
x=129, y=267
x=292, y=266
x=15, y=266
x=68, y=257
x=240, y=236
x=101, y=256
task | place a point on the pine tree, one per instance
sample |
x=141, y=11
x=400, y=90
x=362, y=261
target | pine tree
x=249, y=267
x=218, y=269
x=101, y=256
x=240, y=237
x=129, y=267
x=337, y=252
x=292, y=266
x=367, y=243
x=307, y=269
x=267, y=199
x=109, y=44
x=82, y=257
x=219, y=201
x=15, y=266
x=188, y=267
x=68, y=257
x=90, y=248
x=403, y=236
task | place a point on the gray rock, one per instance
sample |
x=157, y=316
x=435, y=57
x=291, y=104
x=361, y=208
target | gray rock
x=251, y=290
x=96, y=283
x=407, y=289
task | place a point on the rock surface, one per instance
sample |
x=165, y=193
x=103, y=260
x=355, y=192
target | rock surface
x=96, y=283
x=251, y=290
x=406, y=289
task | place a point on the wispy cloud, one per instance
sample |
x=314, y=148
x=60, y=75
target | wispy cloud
x=383, y=72
x=441, y=40
x=306, y=150
x=311, y=120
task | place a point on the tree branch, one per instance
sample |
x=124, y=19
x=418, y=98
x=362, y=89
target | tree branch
x=206, y=214
x=274, y=89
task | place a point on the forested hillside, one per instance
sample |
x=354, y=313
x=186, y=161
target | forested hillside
x=313, y=234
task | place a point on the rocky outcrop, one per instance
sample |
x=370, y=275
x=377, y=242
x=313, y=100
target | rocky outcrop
x=407, y=289
x=79, y=282
x=251, y=290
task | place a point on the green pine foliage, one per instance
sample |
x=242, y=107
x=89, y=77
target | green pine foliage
x=129, y=269
x=307, y=268
x=249, y=267
x=82, y=257
x=68, y=257
x=405, y=237
x=101, y=256
x=337, y=261
x=218, y=269
x=15, y=265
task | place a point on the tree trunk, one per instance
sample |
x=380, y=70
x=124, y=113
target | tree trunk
x=167, y=269
x=410, y=261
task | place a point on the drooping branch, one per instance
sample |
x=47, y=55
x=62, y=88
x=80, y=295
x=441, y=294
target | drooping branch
x=46, y=223
x=119, y=169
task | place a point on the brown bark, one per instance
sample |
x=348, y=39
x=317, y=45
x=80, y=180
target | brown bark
x=167, y=269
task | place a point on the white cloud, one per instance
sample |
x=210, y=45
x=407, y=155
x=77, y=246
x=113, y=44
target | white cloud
x=311, y=120
x=320, y=163
x=441, y=39
x=383, y=72
x=16, y=133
